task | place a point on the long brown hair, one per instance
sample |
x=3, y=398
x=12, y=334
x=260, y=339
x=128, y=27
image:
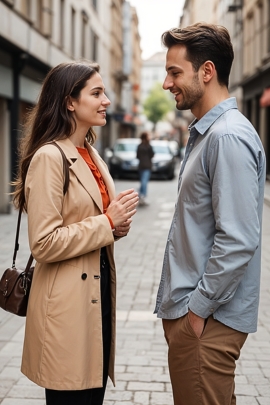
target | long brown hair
x=50, y=119
x=204, y=42
x=145, y=137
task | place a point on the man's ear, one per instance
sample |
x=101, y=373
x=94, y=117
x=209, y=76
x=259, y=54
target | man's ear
x=209, y=70
x=69, y=103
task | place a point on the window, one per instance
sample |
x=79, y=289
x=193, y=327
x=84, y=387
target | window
x=84, y=30
x=25, y=8
x=72, y=31
x=47, y=17
x=62, y=22
x=94, y=55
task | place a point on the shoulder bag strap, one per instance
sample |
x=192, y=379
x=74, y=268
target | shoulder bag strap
x=65, y=168
x=65, y=188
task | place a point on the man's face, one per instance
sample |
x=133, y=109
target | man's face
x=182, y=80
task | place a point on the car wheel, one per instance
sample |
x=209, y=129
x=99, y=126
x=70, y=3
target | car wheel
x=171, y=175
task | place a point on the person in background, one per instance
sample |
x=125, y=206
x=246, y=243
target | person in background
x=209, y=291
x=69, y=345
x=145, y=154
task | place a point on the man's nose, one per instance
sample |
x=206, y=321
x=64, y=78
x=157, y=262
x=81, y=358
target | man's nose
x=167, y=84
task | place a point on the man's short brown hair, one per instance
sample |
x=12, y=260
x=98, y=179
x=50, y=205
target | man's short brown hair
x=204, y=42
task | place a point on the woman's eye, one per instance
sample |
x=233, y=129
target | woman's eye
x=96, y=94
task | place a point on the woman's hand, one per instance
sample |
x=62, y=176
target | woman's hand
x=122, y=208
x=122, y=230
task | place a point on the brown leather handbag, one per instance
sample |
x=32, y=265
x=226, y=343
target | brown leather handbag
x=16, y=282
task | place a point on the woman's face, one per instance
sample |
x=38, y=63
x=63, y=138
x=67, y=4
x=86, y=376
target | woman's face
x=90, y=108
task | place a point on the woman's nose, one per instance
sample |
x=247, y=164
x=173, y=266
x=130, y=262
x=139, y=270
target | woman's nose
x=106, y=101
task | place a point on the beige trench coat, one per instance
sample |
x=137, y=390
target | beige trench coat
x=63, y=336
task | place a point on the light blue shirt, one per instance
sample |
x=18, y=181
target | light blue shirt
x=212, y=261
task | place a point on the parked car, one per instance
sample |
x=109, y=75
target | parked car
x=123, y=162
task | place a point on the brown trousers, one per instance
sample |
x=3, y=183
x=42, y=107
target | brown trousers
x=202, y=369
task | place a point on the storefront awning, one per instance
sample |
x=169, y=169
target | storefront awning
x=265, y=98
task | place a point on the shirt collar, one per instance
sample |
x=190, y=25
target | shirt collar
x=212, y=115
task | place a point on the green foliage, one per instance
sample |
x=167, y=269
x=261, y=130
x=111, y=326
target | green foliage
x=157, y=104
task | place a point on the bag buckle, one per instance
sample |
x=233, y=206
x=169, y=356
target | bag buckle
x=24, y=283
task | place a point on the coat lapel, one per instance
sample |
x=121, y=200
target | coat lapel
x=81, y=171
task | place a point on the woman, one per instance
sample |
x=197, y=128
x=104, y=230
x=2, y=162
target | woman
x=69, y=344
x=144, y=154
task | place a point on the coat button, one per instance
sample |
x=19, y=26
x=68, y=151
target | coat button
x=94, y=301
x=84, y=276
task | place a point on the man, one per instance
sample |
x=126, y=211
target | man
x=209, y=290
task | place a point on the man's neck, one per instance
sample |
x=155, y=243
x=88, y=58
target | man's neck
x=210, y=100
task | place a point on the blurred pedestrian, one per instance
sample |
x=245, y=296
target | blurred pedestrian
x=209, y=291
x=69, y=344
x=145, y=154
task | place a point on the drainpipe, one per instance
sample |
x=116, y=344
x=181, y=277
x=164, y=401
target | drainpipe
x=18, y=62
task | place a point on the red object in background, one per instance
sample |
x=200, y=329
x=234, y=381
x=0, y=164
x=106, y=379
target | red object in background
x=265, y=98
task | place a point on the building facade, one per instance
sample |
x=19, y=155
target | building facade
x=248, y=22
x=36, y=35
x=256, y=68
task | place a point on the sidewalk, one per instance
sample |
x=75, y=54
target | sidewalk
x=267, y=193
x=141, y=361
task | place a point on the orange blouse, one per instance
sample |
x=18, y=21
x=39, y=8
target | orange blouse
x=100, y=182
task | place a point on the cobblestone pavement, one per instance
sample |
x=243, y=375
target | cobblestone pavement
x=141, y=362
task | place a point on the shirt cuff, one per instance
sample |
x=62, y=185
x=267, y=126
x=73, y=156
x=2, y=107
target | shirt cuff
x=201, y=305
x=111, y=222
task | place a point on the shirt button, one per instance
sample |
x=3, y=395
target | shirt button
x=211, y=309
x=84, y=276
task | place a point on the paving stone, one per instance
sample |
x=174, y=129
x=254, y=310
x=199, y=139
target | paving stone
x=10, y=373
x=161, y=398
x=262, y=401
x=26, y=391
x=245, y=400
x=141, y=397
x=264, y=390
x=20, y=401
x=144, y=386
x=246, y=389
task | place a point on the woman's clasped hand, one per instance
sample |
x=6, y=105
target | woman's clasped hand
x=121, y=210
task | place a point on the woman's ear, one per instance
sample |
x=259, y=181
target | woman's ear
x=69, y=103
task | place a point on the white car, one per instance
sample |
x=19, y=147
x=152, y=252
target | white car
x=123, y=162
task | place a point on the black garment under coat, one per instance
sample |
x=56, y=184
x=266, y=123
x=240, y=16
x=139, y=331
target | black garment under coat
x=144, y=154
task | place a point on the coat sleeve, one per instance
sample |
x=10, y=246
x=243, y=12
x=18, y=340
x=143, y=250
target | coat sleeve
x=49, y=239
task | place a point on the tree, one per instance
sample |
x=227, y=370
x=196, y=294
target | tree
x=157, y=104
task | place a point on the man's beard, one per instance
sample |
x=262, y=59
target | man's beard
x=191, y=95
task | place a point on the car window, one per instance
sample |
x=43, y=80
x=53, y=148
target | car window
x=125, y=147
x=161, y=149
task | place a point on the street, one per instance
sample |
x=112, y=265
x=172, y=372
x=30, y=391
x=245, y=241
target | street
x=141, y=361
